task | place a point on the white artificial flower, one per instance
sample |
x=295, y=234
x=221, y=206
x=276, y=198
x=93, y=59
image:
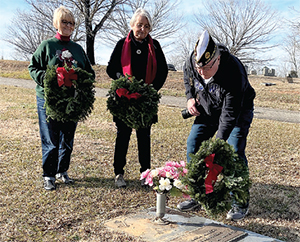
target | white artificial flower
x=178, y=184
x=168, y=174
x=66, y=54
x=154, y=173
x=165, y=184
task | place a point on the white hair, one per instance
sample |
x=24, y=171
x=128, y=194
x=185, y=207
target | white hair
x=141, y=12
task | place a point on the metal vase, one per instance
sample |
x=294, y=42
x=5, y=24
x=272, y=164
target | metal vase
x=160, y=205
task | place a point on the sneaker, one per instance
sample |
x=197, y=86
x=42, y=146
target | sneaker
x=143, y=182
x=236, y=212
x=64, y=178
x=49, y=183
x=188, y=205
x=119, y=181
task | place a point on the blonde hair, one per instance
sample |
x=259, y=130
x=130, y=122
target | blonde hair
x=62, y=13
x=141, y=12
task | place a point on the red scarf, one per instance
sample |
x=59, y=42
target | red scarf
x=151, y=63
x=61, y=37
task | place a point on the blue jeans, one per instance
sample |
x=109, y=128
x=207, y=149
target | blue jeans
x=238, y=136
x=121, y=146
x=57, y=142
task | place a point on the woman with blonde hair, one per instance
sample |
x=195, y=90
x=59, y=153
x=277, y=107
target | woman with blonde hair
x=57, y=137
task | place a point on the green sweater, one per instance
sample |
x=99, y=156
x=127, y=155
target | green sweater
x=49, y=53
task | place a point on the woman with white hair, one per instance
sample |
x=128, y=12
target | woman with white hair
x=140, y=56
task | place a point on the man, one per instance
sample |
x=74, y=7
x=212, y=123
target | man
x=220, y=96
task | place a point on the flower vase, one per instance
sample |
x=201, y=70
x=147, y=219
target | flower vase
x=160, y=205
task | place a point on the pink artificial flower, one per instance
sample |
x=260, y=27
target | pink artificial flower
x=169, y=163
x=144, y=174
x=149, y=180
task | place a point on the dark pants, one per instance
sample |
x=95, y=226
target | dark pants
x=121, y=146
x=237, y=138
x=57, y=142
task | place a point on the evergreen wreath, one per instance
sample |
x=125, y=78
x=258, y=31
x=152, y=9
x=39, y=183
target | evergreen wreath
x=73, y=103
x=132, y=101
x=230, y=184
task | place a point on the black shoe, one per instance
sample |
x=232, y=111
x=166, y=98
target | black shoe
x=119, y=181
x=188, y=205
x=64, y=178
x=143, y=183
x=49, y=183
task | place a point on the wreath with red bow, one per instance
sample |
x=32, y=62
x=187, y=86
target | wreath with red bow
x=132, y=101
x=217, y=177
x=69, y=93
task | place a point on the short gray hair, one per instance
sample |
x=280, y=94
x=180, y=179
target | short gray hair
x=141, y=12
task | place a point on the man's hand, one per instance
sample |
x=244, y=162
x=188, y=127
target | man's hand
x=191, y=106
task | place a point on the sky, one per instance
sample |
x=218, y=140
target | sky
x=8, y=10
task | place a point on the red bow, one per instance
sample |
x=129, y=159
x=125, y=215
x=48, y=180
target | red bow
x=64, y=77
x=124, y=92
x=214, y=171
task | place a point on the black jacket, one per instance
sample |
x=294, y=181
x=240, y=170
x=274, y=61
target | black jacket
x=139, y=61
x=225, y=97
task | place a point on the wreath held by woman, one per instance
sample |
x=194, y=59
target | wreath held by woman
x=69, y=93
x=132, y=101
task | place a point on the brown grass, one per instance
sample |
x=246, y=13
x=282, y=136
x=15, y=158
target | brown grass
x=78, y=212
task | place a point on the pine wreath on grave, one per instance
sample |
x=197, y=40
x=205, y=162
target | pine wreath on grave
x=217, y=176
x=132, y=101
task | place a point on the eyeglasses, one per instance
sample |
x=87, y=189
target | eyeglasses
x=206, y=68
x=65, y=22
x=145, y=27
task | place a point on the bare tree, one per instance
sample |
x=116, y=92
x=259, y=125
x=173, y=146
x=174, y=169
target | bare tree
x=24, y=37
x=165, y=17
x=183, y=46
x=29, y=29
x=96, y=13
x=293, y=50
x=244, y=26
x=90, y=15
x=292, y=41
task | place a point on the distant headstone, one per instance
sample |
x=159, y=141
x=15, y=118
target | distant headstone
x=253, y=72
x=289, y=78
x=294, y=74
x=268, y=72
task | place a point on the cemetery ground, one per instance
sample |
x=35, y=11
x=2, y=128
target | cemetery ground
x=78, y=212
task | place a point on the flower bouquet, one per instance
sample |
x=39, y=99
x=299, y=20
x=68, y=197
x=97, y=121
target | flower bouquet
x=217, y=176
x=132, y=101
x=167, y=179
x=69, y=91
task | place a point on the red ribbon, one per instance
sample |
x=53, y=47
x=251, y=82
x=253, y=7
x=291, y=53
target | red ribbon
x=124, y=92
x=214, y=171
x=64, y=77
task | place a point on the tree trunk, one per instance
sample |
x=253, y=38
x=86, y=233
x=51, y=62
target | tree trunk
x=90, y=50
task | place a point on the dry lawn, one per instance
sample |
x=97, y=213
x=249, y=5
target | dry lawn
x=78, y=212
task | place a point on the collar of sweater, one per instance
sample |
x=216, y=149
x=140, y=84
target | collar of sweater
x=61, y=37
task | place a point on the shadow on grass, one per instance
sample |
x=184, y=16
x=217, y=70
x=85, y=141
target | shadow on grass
x=275, y=201
x=94, y=182
x=274, y=211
